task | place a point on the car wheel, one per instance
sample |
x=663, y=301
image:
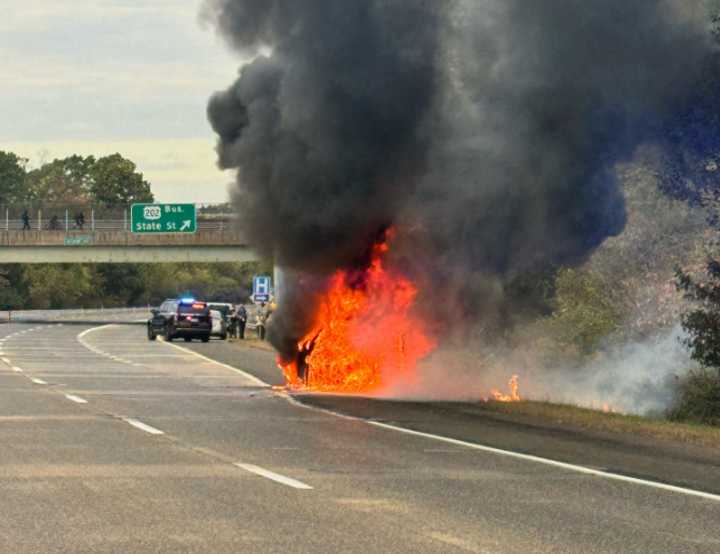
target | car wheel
x=151, y=334
x=206, y=338
x=188, y=339
x=223, y=336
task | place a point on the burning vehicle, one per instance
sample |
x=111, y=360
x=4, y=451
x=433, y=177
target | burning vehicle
x=486, y=135
x=364, y=332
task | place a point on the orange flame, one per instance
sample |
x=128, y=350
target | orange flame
x=363, y=335
x=514, y=395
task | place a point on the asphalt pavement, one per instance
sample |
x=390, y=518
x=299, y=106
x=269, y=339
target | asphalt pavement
x=112, y=443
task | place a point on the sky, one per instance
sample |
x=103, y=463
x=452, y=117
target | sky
x=95, y=77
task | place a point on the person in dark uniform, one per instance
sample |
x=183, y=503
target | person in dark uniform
x=26, y=220
x=80, y=221
x=241, y=314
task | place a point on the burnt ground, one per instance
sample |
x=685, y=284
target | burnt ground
x=664, y=460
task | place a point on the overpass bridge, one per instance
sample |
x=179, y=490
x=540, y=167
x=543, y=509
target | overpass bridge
x=106, y=238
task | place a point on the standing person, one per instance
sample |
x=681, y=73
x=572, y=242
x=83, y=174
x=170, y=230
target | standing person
x=80, y=221
x=233, y=321
x=54, y=224
x=26, y=220
x=262, y=315
x=241, y=314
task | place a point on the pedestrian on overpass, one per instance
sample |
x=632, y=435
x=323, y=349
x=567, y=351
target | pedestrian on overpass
x=26, y=220
x=80, y=221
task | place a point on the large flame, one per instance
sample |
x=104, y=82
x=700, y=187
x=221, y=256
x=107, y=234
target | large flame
x=364, y=334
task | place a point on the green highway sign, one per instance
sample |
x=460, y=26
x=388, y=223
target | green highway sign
x=163, y=218
x=82, y=240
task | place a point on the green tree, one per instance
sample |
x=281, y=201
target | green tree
x=12, y=290
x=121, y=284
x=584, y=314
x=62, y=181
x=702, y=324
x=12, y=178
x=116, y=182
x=62, y=286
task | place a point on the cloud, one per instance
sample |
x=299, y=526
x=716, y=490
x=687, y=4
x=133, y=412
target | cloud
x=114, y=75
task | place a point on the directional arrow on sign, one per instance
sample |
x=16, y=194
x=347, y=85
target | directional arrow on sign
x=186, y=224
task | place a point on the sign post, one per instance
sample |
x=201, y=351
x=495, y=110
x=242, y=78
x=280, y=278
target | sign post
x=163, y=218
x=262, y=285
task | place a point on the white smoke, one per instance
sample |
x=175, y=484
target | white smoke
x=635, y=378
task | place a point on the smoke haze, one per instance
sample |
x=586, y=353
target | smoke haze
x=639, y=377
x=487, y=132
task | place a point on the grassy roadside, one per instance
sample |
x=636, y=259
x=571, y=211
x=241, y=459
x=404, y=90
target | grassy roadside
x=593, y=420
x=569, y=416
x=252, y=342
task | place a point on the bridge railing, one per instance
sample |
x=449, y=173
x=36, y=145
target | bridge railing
x=65, y=218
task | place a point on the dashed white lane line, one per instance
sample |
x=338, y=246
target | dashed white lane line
x=76, y=399
x=17, y=369
x=6, y=361
x=38, y=381
x=287, y=481
x=142, y=426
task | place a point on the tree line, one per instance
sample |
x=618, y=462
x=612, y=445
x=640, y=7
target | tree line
x=110, y=182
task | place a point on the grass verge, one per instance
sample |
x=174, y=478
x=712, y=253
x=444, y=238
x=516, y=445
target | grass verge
x=252, y=342
x=593, y=420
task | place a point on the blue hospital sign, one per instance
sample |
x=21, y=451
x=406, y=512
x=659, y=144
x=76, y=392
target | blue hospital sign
x=262, y=287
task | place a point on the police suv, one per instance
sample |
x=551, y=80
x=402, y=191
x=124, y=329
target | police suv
x=185, y=318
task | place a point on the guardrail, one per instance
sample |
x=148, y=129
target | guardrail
x=118, y=316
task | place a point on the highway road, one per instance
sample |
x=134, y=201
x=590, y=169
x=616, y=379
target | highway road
x=112, y=443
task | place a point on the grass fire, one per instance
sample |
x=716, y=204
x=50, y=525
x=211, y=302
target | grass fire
x=364, y=334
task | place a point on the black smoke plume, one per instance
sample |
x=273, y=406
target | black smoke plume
x=485, y=131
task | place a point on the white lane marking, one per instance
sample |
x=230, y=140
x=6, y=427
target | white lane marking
x=6, y=361
x=81, y=340
x=17, y=369
x=76, y=399
x=509, y=453
x=39, y=381
x=245, y=374
x=549, y=462
x=142, y=426
x=288, y=481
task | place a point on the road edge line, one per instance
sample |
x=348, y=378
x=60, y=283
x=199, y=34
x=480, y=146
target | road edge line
x=245, y=374
x=81, y=338
x=517, y=455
